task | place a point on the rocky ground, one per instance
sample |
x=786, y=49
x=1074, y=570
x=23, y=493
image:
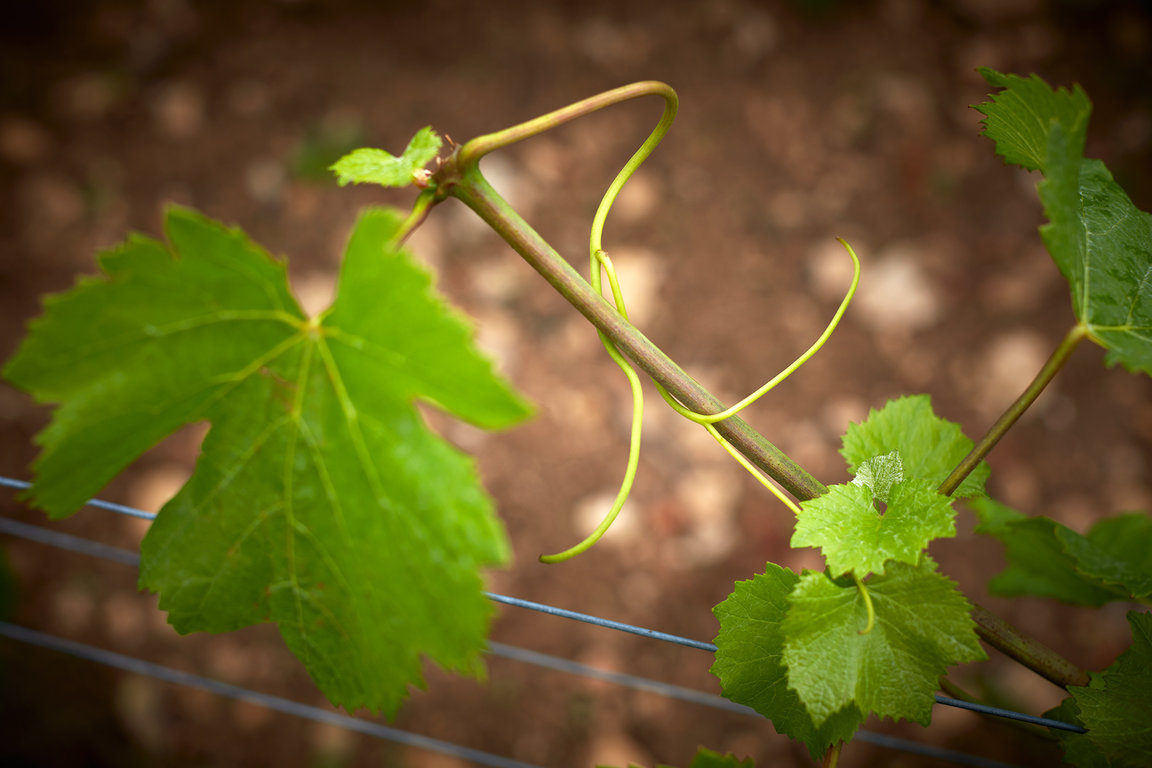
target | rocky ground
x=800, y=121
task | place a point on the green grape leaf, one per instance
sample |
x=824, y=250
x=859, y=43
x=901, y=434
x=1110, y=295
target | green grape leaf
x=750, y=665
x=320, y=500
x=1078, y=751
x=1100, y=241
x=706, y=758
x=922, y=627
x=854, y=535
x=375, y=166
x=1020, y=116
x=1117, y=551
x=1045, y=558
x=929, y=446
x=1117, y=707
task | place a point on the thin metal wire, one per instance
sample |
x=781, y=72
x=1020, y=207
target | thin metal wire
x=78, y=544
x=552, y=610
x=67, y=541
x=711, y=700
x=12, y=482
x=298, y=709
x=984, y=709
x=514, y=653
x=944, y=700
x=525, y=656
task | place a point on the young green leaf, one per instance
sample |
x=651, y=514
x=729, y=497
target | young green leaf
x=706, y=758
x=921, y=628
x=855, y=536
x=375, y=166
x=320, y=501
x=880, y=473
x=1117, y=707
x=750, y=665
x=1112, y=562
x=929, y=446
x=1100, y=241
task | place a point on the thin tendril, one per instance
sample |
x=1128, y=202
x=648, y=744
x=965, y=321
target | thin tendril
x=867, y=605
x=601, y=263
x=629, y=472
x=705, y=418
x=756, y=473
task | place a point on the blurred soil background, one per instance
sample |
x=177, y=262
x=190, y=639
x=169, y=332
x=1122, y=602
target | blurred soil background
x=800, y=121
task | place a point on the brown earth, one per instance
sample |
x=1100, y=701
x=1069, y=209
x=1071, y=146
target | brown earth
x=800, y=121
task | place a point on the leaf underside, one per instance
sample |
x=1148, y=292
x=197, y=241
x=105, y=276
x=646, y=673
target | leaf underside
x=320, y=501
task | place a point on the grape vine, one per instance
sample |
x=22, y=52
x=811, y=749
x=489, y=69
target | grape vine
x=322, y=503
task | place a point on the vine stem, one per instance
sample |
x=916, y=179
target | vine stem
x=1031, y=653
x=459, y=176
x=1071, y=340
x=420, y=209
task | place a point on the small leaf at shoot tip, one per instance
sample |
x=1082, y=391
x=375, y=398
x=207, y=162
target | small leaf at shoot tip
x=375, y=166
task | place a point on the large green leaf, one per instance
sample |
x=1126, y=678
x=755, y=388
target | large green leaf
x=750, y=663
x=1100, y=241
x=922, y=627
x=320, y=501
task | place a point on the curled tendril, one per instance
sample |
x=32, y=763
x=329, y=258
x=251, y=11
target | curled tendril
x=601, y=266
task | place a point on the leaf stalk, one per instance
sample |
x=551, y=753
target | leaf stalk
x=1069, y=343
x=1031, y=653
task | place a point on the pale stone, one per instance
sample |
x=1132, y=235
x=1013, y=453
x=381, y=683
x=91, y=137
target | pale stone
x=895, y=293
x=139, y=705
x=22, y=141
x=179, y=110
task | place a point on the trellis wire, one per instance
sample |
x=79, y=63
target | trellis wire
x=167, y=674
x=85, y=546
